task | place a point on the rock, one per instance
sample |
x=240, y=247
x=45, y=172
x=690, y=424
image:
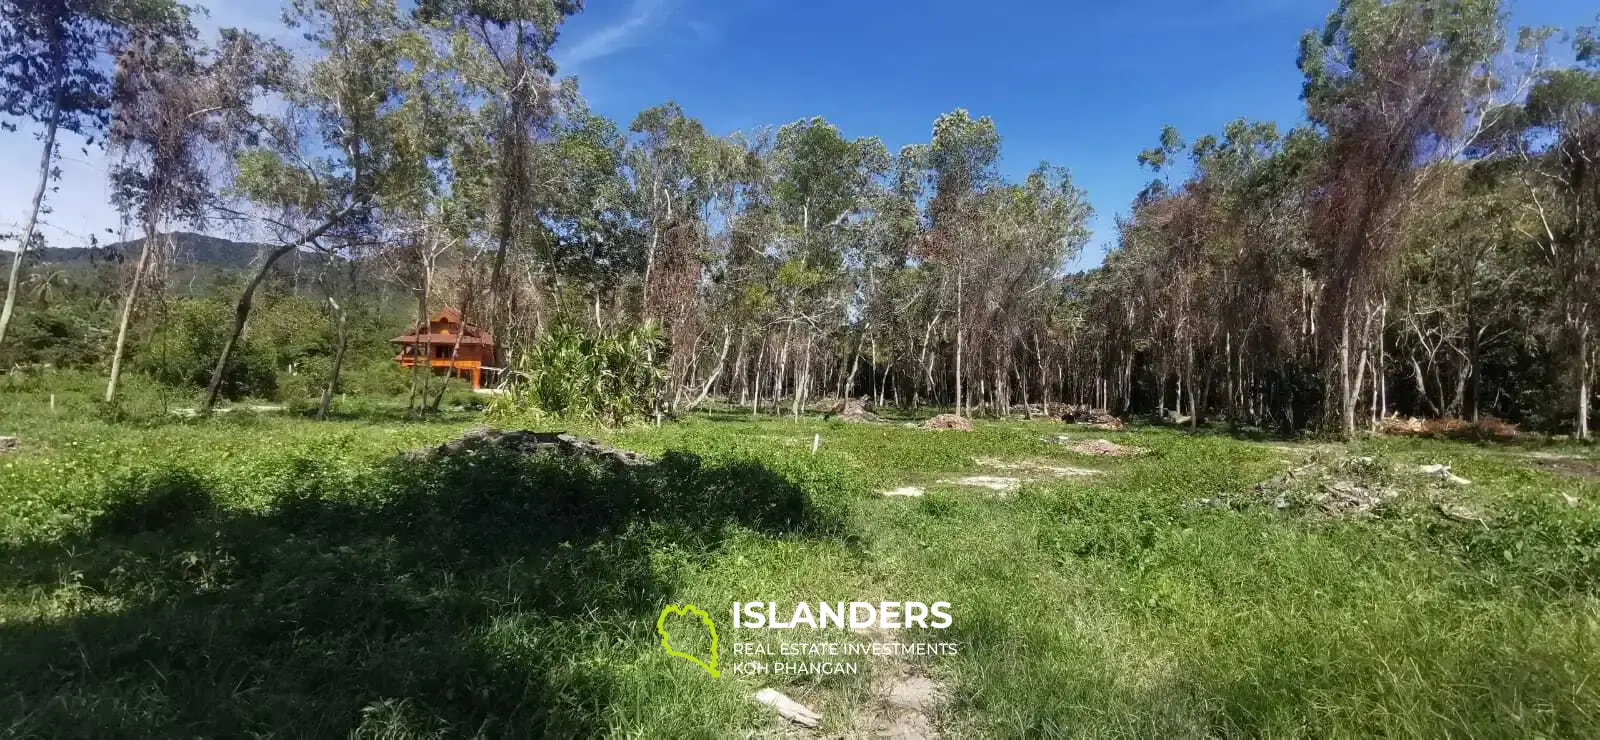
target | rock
x=9, y=444
x=854, y=410
x=788, y=708
x=530, y=443
x=948, y=421
x=1459, y=513
x=1443, y=472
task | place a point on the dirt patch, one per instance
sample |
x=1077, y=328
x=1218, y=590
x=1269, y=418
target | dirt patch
x=1034, y=467
x=906, y=491
x=907, y=701
x=1100, y=447
x=1569, y=466
x=948, y=422
x=9, y=444
x=991, y=482
x=904, y=699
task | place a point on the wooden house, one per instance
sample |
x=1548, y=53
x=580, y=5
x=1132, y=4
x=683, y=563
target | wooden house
x=450, y=346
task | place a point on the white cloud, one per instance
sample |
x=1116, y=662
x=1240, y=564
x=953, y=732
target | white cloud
x=643, y=15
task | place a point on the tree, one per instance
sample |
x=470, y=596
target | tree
x=1557, y=143
x=1390, y=82
x=363, y=145
x=173, y=105
x=52, y=74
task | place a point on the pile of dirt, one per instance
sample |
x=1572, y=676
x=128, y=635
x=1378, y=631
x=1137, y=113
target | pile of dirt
x=1355, y=487
x=857, y=410
x=1099, y=419
x=1101, y=448
x=527, y=442
x=1486, y=428
x=948, y=421
x=1347, y=487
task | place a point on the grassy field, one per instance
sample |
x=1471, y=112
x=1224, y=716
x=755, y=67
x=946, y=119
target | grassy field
x=264, y=574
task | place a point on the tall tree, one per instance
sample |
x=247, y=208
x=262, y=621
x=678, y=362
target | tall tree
x=53, y=74
x=351, y=142
x=1391, y=83
x=175, y=104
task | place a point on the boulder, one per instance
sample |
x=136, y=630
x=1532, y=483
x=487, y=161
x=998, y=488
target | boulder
x=948, y=421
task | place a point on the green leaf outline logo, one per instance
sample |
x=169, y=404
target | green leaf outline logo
x=705, y=619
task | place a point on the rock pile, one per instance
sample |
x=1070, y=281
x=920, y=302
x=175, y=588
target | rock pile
x=527, y=442
x=854, y=410
x=948, y=421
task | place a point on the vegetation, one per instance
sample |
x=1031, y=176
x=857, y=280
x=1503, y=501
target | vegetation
x=256, y=573
x=1423, y=246
x=225, y=509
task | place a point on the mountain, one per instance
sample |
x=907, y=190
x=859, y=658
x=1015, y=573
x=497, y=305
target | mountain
x=188, y=249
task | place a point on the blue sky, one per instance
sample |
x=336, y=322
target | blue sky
x=1085, y=85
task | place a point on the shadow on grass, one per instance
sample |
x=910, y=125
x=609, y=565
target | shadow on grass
x=484, y=594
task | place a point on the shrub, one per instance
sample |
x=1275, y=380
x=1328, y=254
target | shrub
x=184, y=352
x=611, y=376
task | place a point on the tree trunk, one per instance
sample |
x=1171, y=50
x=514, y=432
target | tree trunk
x=727, y=341
x=32, y=223
x=338, y=359
x=127, y=313
x=1583, y=381
x=960, y=323
x=1347, y=394
x=755, y=400
x=241, y=310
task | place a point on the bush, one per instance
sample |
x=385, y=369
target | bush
x=58, y=336
x=185, y=350
x=612, y=376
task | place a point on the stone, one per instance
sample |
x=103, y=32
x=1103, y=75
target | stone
x=1443, y=472
x=788, y=708
x=9, y=444
x=948, y=421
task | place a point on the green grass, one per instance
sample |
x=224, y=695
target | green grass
x=269, y=575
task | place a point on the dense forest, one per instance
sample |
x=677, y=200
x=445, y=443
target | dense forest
x=1426, y=243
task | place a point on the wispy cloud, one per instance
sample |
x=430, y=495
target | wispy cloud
x=642, y=15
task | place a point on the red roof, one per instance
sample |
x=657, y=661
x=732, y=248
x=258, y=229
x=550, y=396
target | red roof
x=445, y=339
x=470, y=334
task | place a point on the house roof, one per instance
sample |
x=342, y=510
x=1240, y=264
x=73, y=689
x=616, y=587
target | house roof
x=470, y=333
x=441, y=339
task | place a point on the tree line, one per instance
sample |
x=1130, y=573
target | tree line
x=1425, y=243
